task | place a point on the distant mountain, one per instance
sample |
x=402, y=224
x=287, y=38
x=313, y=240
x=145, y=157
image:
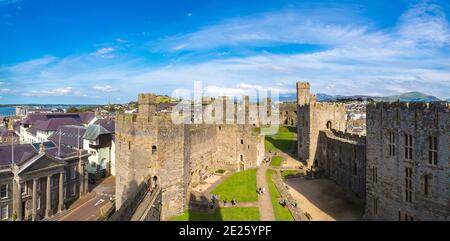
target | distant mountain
x=409, y=97
x=405, y=97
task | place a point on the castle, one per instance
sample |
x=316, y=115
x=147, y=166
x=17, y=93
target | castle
x=177, y=157
x=400, y=169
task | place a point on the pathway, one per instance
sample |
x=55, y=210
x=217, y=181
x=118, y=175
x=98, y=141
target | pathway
x=265, y=203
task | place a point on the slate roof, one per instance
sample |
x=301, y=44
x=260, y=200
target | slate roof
x=108, y=124
x=93, y=131
x=54, y=124
x=25, y=152
x=69, y=136
x=83, y=117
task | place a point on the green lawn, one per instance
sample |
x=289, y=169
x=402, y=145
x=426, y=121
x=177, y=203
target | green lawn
x=281, y=214
x=288, y=173
x=222, y=214
x=240, y=185
x=276, y=161
x=284, y=140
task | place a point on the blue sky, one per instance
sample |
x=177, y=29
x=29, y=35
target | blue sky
x=94, y=51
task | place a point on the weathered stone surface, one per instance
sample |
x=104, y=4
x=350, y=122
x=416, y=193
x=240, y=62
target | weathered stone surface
x=178, y=157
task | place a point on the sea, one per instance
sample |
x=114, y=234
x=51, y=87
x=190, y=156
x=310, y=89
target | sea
x=7, y=111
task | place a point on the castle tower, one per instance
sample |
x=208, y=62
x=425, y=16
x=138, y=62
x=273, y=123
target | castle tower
x=147, y=104
x=246, y=101
x=303, y=93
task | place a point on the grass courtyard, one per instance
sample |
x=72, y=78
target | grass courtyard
x=281, y=214
x=240, y=185
x=221, y=214
x=284, y=140
x=276, y=161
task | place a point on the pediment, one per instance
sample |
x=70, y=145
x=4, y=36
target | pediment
x=41, y=162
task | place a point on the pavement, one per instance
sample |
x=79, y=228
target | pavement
x=89, y=210
x=266, y=212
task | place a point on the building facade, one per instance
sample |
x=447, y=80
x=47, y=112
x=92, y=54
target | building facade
x=38, y=181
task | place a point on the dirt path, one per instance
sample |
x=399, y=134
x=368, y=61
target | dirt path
x=265, y=203
x=324, y=200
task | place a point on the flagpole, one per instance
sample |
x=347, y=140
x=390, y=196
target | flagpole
x=59, y=143
x=12, y=149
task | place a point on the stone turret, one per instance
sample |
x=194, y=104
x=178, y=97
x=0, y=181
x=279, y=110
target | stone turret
x=303, y=93
x=147, y=105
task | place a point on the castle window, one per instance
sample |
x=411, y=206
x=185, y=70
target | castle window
x=375, y=205
x=129, y=145
x=392, y=137
x=408, y=147
x=220, y=128
x=242, y=141
x=408, y=184
x=248, y=147
x=426, y=185
x=432, y=151
x=154, y=149
x=329, y=125
x=374, y=174
x=242, y=158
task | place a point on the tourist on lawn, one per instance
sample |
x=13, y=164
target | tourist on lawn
x=225, y=202
x=263, y=190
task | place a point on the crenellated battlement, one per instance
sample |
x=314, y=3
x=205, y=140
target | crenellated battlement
x=438, y=105
x=147, y=98
x=347, y=136
x=303, y=85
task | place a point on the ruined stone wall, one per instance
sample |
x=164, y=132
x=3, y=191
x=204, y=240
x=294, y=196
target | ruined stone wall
x=342, y=158
x=386, y=173
x=180, y=157
x=288, y=114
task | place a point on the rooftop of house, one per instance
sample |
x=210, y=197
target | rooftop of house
x=82, y=117
x=70, y=135
x=24, y=152
x=94, y=131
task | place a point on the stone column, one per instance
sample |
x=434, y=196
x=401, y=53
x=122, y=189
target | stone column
x=17, y=202
x=34, y=199
x=48, y=200
x=61, y=192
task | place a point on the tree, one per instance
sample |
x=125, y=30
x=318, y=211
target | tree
x=72, y=110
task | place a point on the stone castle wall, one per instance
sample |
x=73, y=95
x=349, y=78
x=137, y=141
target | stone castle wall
x=386, y=173
x=313, y=117
x=178, y=156
x=342, y=158
x=288, y=114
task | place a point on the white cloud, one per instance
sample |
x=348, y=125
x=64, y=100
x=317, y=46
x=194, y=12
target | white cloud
x=105, y=88
x=104, y=52
x=65, y=91
x=357, y=60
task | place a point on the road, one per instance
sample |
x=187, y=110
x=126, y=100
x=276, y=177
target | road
x=90, y=209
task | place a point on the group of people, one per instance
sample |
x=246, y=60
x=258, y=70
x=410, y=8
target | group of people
x=233, y=202
x=215, y=200
x=261, y=190
x=283, y=203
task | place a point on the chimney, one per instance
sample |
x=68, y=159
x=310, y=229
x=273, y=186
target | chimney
x=41, y=148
